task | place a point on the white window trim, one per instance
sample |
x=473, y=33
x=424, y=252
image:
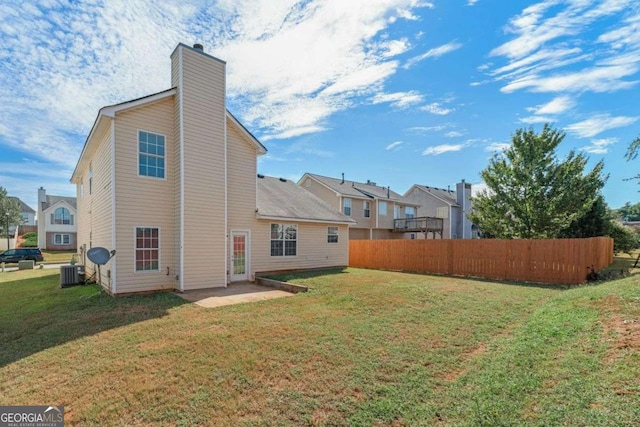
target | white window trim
x=364, y=209
x=386, y=209
x=54, y=216
x=247, y=249
x=337, y=234
x=283, y=240
x=135, y=249
x=344, y=206
x=62, y=243
x=155, y=178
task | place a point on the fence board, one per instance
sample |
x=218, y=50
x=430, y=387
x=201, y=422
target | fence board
x=553, y=261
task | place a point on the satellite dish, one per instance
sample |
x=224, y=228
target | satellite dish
x=99, y=255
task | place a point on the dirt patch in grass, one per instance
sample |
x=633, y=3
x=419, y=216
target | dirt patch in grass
x=621, y=323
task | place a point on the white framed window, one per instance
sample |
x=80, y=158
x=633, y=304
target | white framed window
x=382, y=208
x=62, y=216
x=284, y=239
x=396, y=211
x=367, y=209
x=147, y=249
x=332, y=234
x=61, y=239
x=442, y=212
x=409, y=212
x=151, y=154
x=346, y=207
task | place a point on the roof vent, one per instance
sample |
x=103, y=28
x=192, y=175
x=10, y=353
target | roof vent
x=199, y=47
x=260, y=176
x=283, y=180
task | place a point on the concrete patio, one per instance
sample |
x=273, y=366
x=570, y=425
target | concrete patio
x=233, y=294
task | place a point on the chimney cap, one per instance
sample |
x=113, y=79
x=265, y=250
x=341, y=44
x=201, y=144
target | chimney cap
x=199, y=47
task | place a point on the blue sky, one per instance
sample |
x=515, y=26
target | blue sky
x=395, y=91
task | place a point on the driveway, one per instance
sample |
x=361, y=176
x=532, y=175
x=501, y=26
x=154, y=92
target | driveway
x=232, y=294
x=14, y=267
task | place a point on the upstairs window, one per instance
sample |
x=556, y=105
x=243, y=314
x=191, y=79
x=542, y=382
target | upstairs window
x=150, y=154
x=347, y=207
x=396, y=212
x=409, y=212
x=367, y=209
x=382, y=208
x=62, y=216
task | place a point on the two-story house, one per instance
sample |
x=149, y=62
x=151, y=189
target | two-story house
x=374, y=209
x=27, y=214
x=452, y=206
x=57, y=228
x=170, y=182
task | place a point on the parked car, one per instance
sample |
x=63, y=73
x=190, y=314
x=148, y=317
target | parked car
x=21, y=254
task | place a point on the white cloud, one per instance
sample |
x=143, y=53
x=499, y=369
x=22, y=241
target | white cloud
x=443, y=148
x=425, y=129
x=453, y=134
x=536, y=119
x=62, y=63
x=497, y=146
x=437, y=108
x=557, y=105
x=559, y=46
x=394, y=146
x=600, y=146
x=471, y=2
x=399, y=99
x=436, y=52
x=599, y=123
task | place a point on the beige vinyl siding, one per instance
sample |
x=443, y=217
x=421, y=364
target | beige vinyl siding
x=203, y=128
x=177, y=177
x=94, y=213
x=429, y=207
x=143, y=201
x=313, y=249
x=386, y=221
x=323, y=192
x=359, y=233
x=241, y=167
x=357, y=213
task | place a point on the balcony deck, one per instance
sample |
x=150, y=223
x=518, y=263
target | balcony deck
x=424, y=224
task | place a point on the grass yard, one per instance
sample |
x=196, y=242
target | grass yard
x=360, y=348
x=58, y=257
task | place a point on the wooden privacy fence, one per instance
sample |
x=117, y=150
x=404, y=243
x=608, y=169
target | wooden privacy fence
x=555, y=261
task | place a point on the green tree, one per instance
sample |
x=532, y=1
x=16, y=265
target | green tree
x=531, y=194
x=632, y=153
x=595, y=222
x=11, y=207
x=629, y=212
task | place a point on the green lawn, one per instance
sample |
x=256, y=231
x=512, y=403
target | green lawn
x=58, y=257
x=360, y=348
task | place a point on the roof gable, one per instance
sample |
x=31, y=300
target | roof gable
x=361, y=190
x=447, y=196
x=57, y=201
x=280, y=198
x=24, y=208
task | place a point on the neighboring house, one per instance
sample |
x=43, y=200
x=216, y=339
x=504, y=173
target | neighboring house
x=452, y=206
x=27, y=213
x=374, y=209
x=170, y=182
x=57, y=228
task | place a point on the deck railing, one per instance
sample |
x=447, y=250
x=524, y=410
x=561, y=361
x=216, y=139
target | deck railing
x=424, y=224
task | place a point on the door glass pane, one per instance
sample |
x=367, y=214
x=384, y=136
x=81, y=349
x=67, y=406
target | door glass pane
x=239, y=254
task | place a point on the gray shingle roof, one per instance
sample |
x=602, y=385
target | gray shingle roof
x=287, y=200
x=446, y=195
x=361, y=190
x=52, y=200
x=23, y=206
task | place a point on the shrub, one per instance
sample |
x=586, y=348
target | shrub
x=624, y=239
x=30, y=235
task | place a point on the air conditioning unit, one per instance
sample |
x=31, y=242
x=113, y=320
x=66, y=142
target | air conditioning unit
x=68, y=275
